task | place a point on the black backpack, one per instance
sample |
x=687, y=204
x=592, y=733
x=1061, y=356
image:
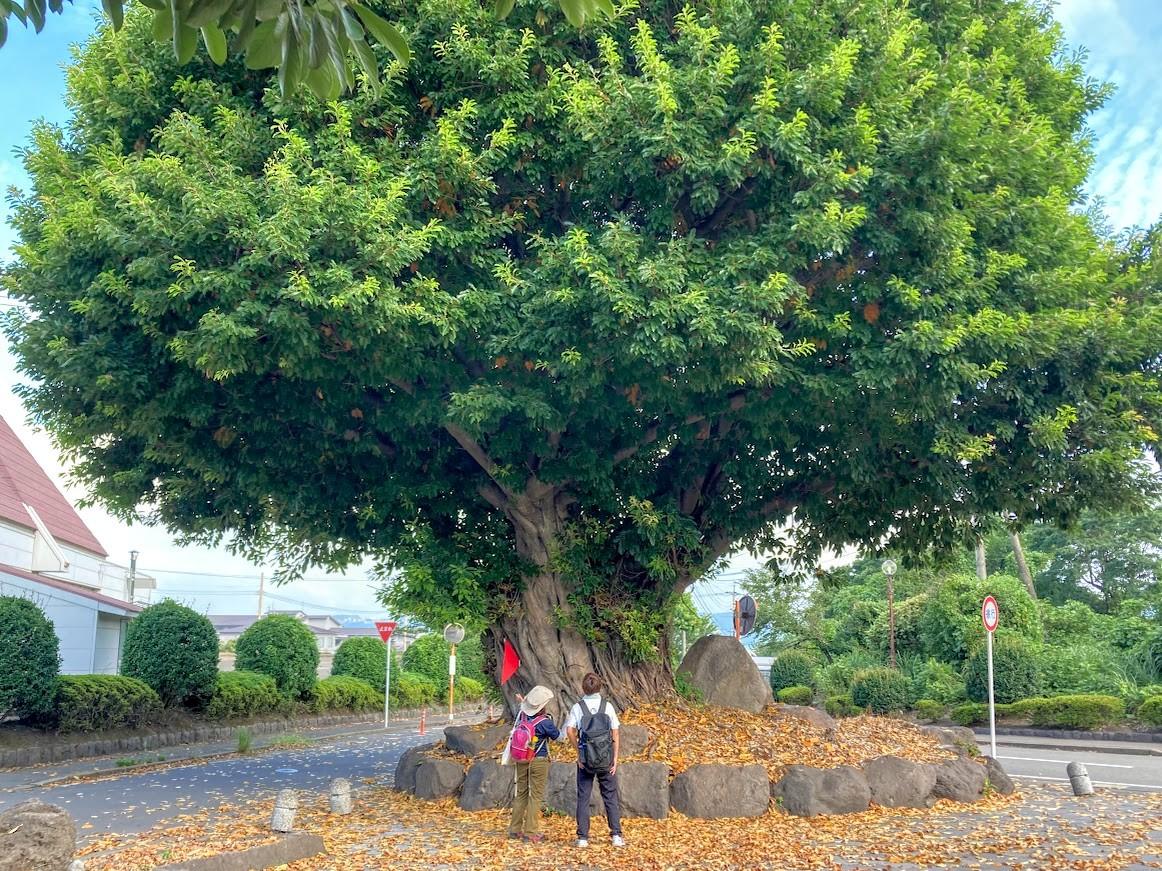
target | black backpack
x=597, y=742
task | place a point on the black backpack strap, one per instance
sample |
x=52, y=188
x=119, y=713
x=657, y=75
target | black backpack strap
x=589, y=723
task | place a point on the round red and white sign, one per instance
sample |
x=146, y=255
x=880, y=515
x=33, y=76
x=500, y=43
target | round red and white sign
x=990, y=614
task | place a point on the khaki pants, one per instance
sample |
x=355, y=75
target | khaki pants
x=531, y=779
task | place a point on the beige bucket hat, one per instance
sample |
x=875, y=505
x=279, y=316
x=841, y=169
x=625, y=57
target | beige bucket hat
x=536, y=699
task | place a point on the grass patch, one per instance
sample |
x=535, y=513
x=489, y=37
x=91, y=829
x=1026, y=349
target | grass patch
x=245, y=739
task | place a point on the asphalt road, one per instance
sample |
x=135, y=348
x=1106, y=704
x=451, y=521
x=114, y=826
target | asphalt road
x=135, y=802
x=1107, y=769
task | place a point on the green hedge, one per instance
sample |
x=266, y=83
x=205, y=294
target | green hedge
x=970, y=714
x=841, y=706
x=91, y=702
x=244, y=694
x=282, y=647
x=880, y=690
x=412, y=690
x=467, y=690
x=929, y=709
x=1150, y=711
x=345, y=693
x=29, y=660
x=174, y=650
x=365, y=658
x=1076, y=712
x=796, y=695
x=792, y=669
x=1015, y=673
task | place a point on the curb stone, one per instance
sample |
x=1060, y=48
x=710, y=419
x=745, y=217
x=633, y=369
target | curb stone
x=295, y=846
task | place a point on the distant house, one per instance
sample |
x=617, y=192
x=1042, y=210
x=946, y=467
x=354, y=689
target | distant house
x=329, y=633
x=49, y=556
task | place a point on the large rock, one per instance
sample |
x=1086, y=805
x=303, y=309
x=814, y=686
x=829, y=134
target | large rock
x=438, y=778
x=633, y=739
x=997, y=778
x=405, y=769
x=644, y=789
x=817, y=718
x=807, y=792
x=476, y=739
x=896, y=782
x=960, y=780
x=721, y=669
x=488, y=784
x=713, y=791
x=35, y=835
x=958, y=739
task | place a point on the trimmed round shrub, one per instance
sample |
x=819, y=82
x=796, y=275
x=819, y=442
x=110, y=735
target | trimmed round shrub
x=29, y=660
x=428, y=655
x=1150, y=711
x=1076, y=712
x=173, y=649
x=970, y=714
x=1015, y=673
x=880, y=690
x=841, y=706
x=366, y=659
x=91, y=702
x=345, y=693
x=413, y=690
x=243, y=694
x=929, y=710
x=796, y=695
x=792, y=669
x=1138, y=696
x=282, y=647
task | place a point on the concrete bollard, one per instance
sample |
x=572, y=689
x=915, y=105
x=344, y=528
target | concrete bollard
x=1079, y=779
x=341, y=802
x=285, y=805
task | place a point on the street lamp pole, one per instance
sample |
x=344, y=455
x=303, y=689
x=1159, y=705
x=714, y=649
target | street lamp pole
x=889, y=570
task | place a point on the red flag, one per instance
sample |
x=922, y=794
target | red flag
x=510, y=664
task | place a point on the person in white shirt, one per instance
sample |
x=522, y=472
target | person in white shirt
x=592, y=726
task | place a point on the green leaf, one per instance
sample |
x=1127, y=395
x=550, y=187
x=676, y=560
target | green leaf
x=115, y=12
x=265, y=50
x=607, y=7
x=324, y=82
x=215, y=41
x=574, y=11
x=269, y=9
x=185, y=43
x=154, y=4
x=162, y=25
x=3, y=31
x=290, y=70
x=208, y=12
x=502, y=8
x=35, y=10
x=385, y=32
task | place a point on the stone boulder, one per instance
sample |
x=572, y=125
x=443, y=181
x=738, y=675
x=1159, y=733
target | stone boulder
x=405, y=769
x=633, y=739
x=960, y=780
x=720, y=668
x=438, y=778
x=488, y=784
x=807, y=792
x=997, y=777
x=643, y=787
x=714, y=791
x=817, y=718
x=476, y=739
x=36, y=835
x=896, y=782
x=561, y=791
x=958, y=739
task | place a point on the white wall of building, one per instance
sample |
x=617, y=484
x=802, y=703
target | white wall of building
x=73, y=617
x=84, y=568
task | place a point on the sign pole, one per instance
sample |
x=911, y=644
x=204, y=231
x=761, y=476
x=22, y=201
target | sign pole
x=385, y=628
x=451, y=683
x=990, y=616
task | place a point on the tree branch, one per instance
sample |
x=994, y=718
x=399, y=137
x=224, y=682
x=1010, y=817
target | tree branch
x=474, y=450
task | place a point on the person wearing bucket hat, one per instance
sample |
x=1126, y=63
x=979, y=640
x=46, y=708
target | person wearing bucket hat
x=528, y=748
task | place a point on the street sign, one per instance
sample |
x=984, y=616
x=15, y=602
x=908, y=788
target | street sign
x=385, y=627
x=990, y=614
x=747, y=609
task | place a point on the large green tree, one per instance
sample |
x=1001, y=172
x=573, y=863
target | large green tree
x=556, y=320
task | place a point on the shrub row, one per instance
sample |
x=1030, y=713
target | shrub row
x=796, y=695
x=1150, y=711
x=244, y=694
x=345, y=693
x=1058, y=712
x=88, y=702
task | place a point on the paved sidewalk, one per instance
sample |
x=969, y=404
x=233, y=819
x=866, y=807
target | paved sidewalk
x=1129, y=748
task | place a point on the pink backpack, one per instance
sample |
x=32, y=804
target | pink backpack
x=522, y=747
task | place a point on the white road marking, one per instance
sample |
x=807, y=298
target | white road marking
x=1065, y=762
x=1095, y=782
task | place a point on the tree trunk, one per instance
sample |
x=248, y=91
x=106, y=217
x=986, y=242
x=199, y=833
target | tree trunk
x=981, y=569
x=1022, y=566
x=552, y=653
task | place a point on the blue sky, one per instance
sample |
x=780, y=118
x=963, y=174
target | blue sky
x=1124, y=40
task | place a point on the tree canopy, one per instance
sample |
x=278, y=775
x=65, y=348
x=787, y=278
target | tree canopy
x=556, y=319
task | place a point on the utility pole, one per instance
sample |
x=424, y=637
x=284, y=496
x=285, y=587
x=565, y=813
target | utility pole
x=981, y=569
x=132, y=574
x=261, y=590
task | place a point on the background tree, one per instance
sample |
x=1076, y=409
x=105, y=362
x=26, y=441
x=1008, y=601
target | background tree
x=366, y=659
x=688, y=625
x=174, y=650
x=280, y=646
x=558, y=319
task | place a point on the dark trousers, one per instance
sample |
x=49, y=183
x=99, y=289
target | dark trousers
x=607, y=783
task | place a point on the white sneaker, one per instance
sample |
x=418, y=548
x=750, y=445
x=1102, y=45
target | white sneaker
x=582, y=842
x=618, y=841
